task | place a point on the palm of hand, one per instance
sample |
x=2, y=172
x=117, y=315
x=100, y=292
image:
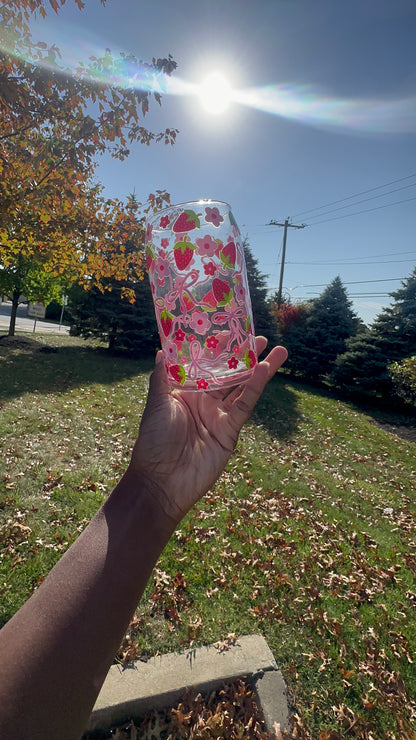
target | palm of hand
x=186, y=438
x=185, y=441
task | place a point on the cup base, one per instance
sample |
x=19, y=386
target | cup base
x=202, y=385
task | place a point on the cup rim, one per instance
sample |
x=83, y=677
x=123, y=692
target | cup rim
x=201, y=201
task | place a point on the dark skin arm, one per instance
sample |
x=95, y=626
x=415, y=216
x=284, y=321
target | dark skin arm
x=56, y=650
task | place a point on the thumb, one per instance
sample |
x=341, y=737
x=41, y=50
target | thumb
x=159, y=380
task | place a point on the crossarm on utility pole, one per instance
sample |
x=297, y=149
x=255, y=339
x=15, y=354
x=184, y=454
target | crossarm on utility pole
x=285, y=225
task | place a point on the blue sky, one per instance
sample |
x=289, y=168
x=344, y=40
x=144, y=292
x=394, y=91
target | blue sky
x=328, y=112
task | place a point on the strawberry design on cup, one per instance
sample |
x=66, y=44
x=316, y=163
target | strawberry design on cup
x=149, y=257
x=222, y=291
x=183, y=253
x=250, y=359
x=186, y=221
x=228, y=254
x=166, y=322
x=209, y=301
x=178, y=373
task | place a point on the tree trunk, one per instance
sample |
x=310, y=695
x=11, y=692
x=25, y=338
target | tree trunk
x=111, y=340
x=15, y=304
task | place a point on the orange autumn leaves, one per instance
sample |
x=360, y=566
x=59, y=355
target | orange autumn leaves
x=54, y=129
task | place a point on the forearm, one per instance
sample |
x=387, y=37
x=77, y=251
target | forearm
x=55, y=652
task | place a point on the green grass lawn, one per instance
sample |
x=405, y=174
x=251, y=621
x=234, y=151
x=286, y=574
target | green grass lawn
x=308, y=537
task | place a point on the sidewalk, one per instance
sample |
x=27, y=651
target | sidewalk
x=130, y=692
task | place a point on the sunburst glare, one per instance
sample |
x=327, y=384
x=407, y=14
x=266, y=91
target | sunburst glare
x=90, y=60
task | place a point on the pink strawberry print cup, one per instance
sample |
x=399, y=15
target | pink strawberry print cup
x=196, y=267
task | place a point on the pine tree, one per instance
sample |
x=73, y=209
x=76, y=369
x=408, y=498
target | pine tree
x=127, y=327
x=391, y=338
x=262, y=318
x=329, y=324
x=362, y=366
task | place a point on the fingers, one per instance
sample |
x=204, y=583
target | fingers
x=275, y=359
x=159, y=380
x=241, y=401
x=261, y=344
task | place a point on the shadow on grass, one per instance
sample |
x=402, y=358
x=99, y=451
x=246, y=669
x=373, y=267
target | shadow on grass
x=28, y=366
x=32, y=367
x=277, y=409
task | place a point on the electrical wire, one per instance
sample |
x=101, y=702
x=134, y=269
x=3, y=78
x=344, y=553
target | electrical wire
x=365, y=200
x=365, y=210
x=352, y=264
x=353, y=282
x=356, y=195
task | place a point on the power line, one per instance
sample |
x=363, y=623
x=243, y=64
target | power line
x=365, y=210
x=365, y=200
x=348, y=260
x=351, y=282
x=354, y=282
x=356, y=195
x=352, y=264
x=354, y=295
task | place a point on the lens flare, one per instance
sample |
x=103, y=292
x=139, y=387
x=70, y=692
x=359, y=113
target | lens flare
x=311, y=106
x=79, y=53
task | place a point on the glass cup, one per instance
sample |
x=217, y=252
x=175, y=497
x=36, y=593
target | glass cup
x=198, y=277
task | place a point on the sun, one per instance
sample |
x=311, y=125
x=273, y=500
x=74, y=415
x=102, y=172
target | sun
x=215, y=93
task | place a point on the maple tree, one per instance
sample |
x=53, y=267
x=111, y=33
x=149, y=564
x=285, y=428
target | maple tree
x=55, y=125
x=123, y=313
x=291, y=328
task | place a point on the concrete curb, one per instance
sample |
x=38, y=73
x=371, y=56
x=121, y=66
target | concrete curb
x=161, y=682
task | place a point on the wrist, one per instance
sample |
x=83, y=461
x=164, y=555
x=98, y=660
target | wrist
x=143, y=500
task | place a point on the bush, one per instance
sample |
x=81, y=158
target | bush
x=403, y=376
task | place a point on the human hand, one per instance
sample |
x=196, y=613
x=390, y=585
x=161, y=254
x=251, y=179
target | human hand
x=186, y=437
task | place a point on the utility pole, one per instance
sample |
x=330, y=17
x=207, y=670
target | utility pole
x=286, y=225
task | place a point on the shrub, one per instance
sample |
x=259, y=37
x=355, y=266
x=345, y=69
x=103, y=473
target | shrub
x=403, y=376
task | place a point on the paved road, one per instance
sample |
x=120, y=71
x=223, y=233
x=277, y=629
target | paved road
x=25, y=324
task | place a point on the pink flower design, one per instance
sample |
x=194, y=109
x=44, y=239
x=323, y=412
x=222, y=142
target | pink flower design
x=162, y=267
x=164, y=222
x=192, y=338
x=164, y=243
x=199, y=322
x=171, y=350
x=149, y=229
x=232, y=363
x=211, y=342
x=236, y=349
x=206, y=246
x=179, y=335
x=240, y=293
x=213, y=216
x=201, y=384
x=209, y=268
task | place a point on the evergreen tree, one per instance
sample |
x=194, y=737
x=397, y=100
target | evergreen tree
x=128, y=327
x=391, y=338
x=329, y=324
x=262, y=318
x=363, y=366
